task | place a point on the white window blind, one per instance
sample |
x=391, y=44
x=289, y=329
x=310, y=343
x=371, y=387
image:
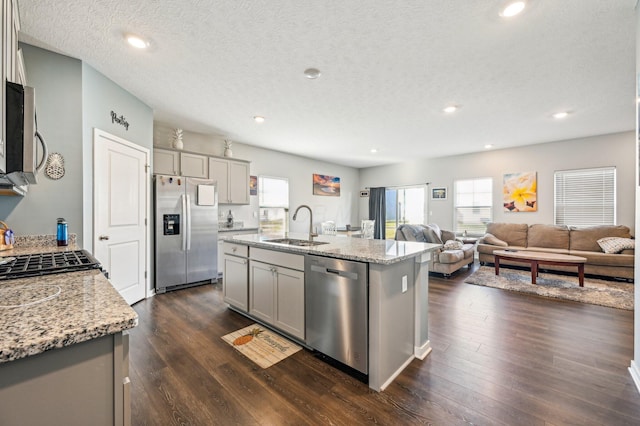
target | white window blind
x=273, y=197
x=473, y=205
x=585, y=197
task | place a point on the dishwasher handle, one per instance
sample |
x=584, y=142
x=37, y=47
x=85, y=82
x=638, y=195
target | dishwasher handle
x=331, y=271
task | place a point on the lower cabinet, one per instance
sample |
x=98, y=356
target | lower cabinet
x=276, y=292
x=83, y=384
x=235, y=282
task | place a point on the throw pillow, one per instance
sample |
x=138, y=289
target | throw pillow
x=453, y=245
x=432, y=234
x=616, y=244
x=493, y=240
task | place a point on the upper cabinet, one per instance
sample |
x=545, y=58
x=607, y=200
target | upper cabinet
x=166, y=162
x=10, y=68
x=194, y=165
x=232, y=176
x=233, y=180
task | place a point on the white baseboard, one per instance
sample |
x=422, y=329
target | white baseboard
x=422, y=351
x=635, y=374
x=394, y=375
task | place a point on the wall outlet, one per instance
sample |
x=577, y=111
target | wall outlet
x=404, y=284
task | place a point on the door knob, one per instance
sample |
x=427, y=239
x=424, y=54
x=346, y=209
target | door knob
x=103, y=237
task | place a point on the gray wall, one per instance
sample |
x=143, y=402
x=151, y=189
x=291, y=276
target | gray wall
x=608, y=150
x=100, y=96
x=71, y=100
x=299, y=171
x=57, y=82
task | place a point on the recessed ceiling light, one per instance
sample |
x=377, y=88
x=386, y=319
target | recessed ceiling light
x=488, y=146
x=513, y=9
x=258, y=119
x=560, y=115
x=451, y=108
x=137, y=41
x=373, y=150
x=312, y=73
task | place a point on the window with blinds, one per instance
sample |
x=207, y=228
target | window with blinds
x=585, y=197
x=473, y=207
x=273, y=197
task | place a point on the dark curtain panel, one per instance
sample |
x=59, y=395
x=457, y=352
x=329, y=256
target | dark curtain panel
x=377, y=211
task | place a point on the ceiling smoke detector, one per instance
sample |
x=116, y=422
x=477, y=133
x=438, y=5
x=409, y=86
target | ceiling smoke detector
x=312, y=73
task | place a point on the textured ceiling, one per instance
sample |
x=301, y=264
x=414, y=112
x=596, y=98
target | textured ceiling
x=388, y=68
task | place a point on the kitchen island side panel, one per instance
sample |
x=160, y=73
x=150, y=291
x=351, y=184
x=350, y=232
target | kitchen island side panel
x=82, y=384
x=391, y=320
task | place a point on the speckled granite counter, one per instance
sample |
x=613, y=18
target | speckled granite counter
x=384, y=252
x=54, y=311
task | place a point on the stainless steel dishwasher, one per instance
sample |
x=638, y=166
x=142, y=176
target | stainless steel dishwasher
x=336, y=309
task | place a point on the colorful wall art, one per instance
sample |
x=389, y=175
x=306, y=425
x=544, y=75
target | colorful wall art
x=520, y=192
x=253, y=185
x=326, y=185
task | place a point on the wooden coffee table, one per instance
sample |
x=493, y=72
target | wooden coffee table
x=535, y=258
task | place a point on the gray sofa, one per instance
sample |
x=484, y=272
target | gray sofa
x=446, y=260
x=566, y=240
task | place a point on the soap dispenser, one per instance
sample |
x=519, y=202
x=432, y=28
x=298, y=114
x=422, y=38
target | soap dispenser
x=62, y=232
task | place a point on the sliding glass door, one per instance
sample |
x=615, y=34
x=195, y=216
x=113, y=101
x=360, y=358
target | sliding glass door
x=404, y=205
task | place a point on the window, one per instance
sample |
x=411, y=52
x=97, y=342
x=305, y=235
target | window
x=403, y=205
x=273, y=197
x=473, y=205
x=585, y=197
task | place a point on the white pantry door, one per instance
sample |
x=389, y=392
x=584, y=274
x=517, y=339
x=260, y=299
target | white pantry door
x=120, y=206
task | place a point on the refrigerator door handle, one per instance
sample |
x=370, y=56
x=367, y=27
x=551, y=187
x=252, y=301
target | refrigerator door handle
x=188, y=222
x=185, y=221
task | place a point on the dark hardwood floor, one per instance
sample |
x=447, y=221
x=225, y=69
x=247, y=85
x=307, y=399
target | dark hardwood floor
x=498, y=358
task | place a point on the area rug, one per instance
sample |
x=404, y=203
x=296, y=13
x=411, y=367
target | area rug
x=261, y=345
x=596, y=292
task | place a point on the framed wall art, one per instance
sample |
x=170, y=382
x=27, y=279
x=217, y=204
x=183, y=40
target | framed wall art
x=326, y=185
x=439, y=193
x=520, y=192
x=253, y=185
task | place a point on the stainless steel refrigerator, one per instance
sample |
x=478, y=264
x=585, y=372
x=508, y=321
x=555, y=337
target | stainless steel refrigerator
x=186, y=232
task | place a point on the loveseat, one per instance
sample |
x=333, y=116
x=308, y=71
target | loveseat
x=453, y=254
x=590, y=242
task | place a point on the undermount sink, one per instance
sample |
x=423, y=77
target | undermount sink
x=295, y=242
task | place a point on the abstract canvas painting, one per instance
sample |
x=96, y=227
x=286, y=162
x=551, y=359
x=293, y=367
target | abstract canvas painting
x=326, y=185
x=520, y=192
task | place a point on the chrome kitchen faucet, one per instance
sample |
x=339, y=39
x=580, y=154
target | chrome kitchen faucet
x=311, y=233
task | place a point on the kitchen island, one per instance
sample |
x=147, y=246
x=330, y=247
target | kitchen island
x=63, y=350
x=397, y=299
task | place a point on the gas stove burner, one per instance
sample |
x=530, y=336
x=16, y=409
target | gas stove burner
x=32, y=265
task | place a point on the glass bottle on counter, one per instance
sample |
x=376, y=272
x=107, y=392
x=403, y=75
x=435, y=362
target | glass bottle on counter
x=230, y=220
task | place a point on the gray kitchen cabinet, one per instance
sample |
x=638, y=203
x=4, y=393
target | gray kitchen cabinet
x=166, y=162
x=276, y=290
x=194, y=165
x=236, y=276
x=83, y=384
x=233, y=180
x=221, y=249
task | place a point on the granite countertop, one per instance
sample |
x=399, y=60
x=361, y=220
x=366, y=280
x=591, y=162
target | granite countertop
x=358, y=249
x=54, y=311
